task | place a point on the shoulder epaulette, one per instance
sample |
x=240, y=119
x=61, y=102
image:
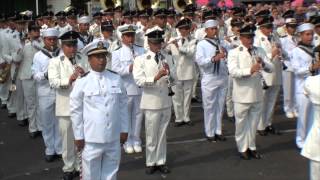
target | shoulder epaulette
x=85, y=74
x=112, y=71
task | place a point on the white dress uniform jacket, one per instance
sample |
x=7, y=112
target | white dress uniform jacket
x=121, y=61
x=96, y=107
x=59, y=71
x=311, y=148
x=155, y=94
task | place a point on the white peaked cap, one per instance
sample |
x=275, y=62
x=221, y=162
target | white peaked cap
x=305, y=27
x=211, y=23
x=84, y=20
x=50, y=32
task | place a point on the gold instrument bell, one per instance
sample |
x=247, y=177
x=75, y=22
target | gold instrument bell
x=147, y=4
x=106, y=4
x=180, y=5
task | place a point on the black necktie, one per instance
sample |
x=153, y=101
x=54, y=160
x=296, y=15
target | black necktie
x=250, y=52
x=269, y=38
x=183, y=40
x=156, y=58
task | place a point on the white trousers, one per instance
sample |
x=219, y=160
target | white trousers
x=289, y=105
x=12, y=102
x=304, y=119
x=4, y=91
x=21, y=104
x=195, y=80
x=213, y=98
x=314, y=170
x=100, y=161
x=69, y=153
x=247, y=116
x=30, y=97
x=229, y=102
x=135, y=120
x=182, y=100
x=156, y=123
x=50, y=125
x=270, y=96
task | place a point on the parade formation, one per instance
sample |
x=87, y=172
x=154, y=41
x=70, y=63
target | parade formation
x=87, y=83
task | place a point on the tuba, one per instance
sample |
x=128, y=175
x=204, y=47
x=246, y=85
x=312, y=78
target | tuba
x=180, y=5
x=147, y=4
x=106, y=4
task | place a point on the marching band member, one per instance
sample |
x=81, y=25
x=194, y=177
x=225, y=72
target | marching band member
x=47, y=95
x=316, y=36
x=63, y=70
x=95, y=28
x=183, y=51
x=302, y=61
x=99, y=116
x=245, y=63
x=28, y=84
x=288, y=43
x=211, y=61
x=84, y=36
x=265, y=40
x=122, y=63
x=62, y=25
x=311, y=148
x=152, y=71
x=14, y=44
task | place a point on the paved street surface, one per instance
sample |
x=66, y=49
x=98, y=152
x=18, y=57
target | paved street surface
x=190, y=156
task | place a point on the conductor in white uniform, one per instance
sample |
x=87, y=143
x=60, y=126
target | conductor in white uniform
x=99, y=117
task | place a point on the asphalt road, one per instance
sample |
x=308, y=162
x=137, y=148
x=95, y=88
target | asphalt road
x=190, y=156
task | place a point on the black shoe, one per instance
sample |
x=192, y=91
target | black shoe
x=262, y=132
x=254, y=154
x=211, y=139
x=270, y=129
x=12, y=115
x=76, y=173
x=195, y=100
x=3, y=106
x=23, y=123
x=178, y=124
x=189, y=123
x=164, y=169
x=150, y=169
x=49, y=158
x=67, y=175
x=245, y=155
x=220, y=137
x=58, y=156
x=33, y=135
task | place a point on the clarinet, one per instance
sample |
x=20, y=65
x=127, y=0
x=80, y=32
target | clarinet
x=256, y=57
x=169, y=78
x=274, y=44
